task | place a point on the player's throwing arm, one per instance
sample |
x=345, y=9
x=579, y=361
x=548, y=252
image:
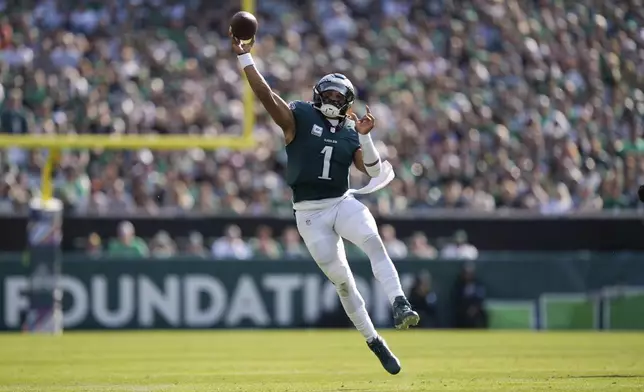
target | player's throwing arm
x=245, y=25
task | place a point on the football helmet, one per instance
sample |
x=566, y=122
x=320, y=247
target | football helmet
x=332, y=107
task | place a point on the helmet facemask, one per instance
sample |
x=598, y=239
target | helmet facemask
x=333, y=103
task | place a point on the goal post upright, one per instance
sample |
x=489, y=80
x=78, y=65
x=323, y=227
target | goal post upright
x=44, y=237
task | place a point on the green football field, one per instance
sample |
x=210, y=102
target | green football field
x=302, y=361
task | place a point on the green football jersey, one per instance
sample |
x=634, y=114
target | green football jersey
x=320, y=156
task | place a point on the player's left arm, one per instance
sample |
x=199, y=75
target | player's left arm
x=366, y=158
x=358, y=161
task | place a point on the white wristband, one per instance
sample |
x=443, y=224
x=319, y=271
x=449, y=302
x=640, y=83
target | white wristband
x=245, y=60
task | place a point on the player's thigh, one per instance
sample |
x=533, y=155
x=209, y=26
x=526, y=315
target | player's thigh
x=355, y=222
x=324, y=244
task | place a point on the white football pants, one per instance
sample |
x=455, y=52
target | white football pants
x=323, y=230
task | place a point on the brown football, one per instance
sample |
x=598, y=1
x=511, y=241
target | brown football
x=243, y=25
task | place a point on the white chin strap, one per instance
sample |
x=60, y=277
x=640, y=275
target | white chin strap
x=330, y=111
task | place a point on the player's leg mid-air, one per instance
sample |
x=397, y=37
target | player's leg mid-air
x=356, y=224
x=323, y=231
x=323, y=139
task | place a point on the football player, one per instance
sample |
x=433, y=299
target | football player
x=323, y=139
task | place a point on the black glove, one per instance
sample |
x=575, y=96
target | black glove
x=640, y=193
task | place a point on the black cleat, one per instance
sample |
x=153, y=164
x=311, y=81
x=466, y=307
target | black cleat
x=404, y=316
x=384, y=354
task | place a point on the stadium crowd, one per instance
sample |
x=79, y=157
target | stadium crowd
x=264, y=244
x=481, y=104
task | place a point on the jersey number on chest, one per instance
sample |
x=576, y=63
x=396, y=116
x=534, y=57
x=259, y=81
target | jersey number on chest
x=327, y=151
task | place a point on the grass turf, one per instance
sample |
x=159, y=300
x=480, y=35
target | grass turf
x=303, y=361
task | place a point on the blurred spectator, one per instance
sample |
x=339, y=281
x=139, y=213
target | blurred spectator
x=560, y=201
x=588, y=200
x=196, y=246
x=74, y=188
x=94, y=246
x=264, y=245
x=119, y=202
x=292, y=244
x=420, y=248
x=6, y=202
x=13, y=118
x=469, y=300
x=611, y=195
x=477, y=198
x=127, y=244
x=423, y=300
x=459, y=249
x=162, y=246
x=231, y=245
x=395, y=247
x=509, y=197
x=452, y=196
x=339, y=27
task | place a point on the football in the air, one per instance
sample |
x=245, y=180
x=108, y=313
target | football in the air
x=243, y=26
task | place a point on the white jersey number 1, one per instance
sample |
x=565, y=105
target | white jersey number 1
x=326, y=168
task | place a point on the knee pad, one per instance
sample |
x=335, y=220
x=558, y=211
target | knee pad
x=349, y=290
x=337, y=272
x=350, y=296
x=343, y=289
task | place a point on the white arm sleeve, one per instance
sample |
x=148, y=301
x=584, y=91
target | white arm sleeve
x=370, y=155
